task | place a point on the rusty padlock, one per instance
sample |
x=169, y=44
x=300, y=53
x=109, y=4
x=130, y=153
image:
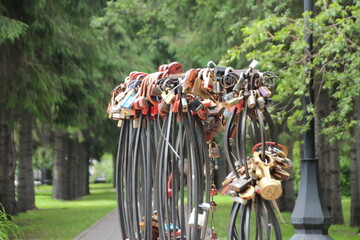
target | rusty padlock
x=214, y=151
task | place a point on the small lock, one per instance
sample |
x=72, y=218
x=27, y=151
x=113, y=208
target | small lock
x=128, y=100
x=260, y=102
x=248, y=193
x=280, y=174
x=239, y=184
x=264, y=91
x=228, y=96
x=176, y=105
x=168, y=96
x=231, y=102
x=120, y=96
x=212, y=111
x=195, y=105
x=136, y=122
x=143, y=102
x=214, y=151
x=164, y=107
x=213, y=192
x=120, y=123
x=184, y=105
x=208, y=77
x=205, y=206
x=213, y=206
x=201, y=219
x=251, y=100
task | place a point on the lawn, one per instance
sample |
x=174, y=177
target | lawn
x=337, y=232
x=62, y=220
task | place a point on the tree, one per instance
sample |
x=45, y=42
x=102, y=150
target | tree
x=277, y=41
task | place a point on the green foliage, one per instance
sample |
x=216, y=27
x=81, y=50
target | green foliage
x=43, y=157
x=8, y=228
x=11, y=29
x=277, y=41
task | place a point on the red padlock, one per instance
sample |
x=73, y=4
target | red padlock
x=213, y=192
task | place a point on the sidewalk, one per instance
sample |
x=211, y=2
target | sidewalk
x=107, y=228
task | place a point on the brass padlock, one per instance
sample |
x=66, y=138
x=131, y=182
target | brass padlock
x=168, y=96
x=280, y=174
x=208, y=77
x=214, y=151
x=231, y=102
x=248, y=193
x=251, y=100
x=270, y=189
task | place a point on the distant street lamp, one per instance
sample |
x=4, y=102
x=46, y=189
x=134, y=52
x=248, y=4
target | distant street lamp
x=310, y=217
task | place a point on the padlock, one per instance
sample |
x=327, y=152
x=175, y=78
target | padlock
x=120, y=123
x=214, y=151
x=168, y=96
x=260, y=101
x=197, y=89
x=233, y=101
x=128, y=100
x=184, y=105
x=120, y=96
x=264, y=91
x=213, y=206
x=213, y=192
x=136, y=105
x=239, y=184
x=143, y=102
x=228, y=96
x=136, y=122
x=195, y=105
x=163, y=106
x=142, y=225
x=212, y=111
x=251, y=100
x=201, y=219
x=270, y=188
x=248, y=193
x=280, y=174
x=216, y=126
x=205, y=206
x=208, y=77
x=176, y=104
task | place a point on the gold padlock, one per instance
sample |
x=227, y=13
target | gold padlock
x=270, y=189
x=231, y=102
x=248, y=193
x=168, y=96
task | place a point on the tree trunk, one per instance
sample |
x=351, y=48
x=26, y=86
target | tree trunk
x=7, y=164
x=25, y=189
x=60, y=174
x=355, y=170
x=335, y=182
x=70, y=178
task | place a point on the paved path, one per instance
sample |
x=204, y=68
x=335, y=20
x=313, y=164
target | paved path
x=107, y=228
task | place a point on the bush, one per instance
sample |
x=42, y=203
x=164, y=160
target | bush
x=8, y=228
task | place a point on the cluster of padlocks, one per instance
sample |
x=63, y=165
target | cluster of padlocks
x=167, y=150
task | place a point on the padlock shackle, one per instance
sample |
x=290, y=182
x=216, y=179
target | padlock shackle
x=270, y=143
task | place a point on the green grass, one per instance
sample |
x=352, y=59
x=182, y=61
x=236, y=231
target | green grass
x=337, y=232
x=55, y=219
x=63, y=220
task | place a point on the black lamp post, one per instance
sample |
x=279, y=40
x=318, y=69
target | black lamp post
x=310, y=217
